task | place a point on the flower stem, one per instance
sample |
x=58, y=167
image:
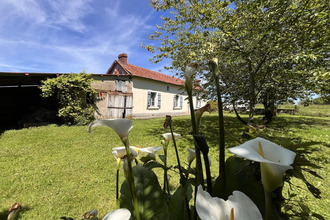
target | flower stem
x=166, y=185
x=221, y=124
x=199, y=168
x=271, y=213
x=131, y=181
x=182, y=177
x=117, y=189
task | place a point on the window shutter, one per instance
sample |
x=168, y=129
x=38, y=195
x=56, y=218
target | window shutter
x=149, y=99
x=118, y=85
x=123, y=86
x=159, y=100
x=174, y=101
x=181, y=101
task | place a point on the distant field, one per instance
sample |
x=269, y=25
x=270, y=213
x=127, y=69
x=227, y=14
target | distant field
x=311, y=110
x=65, y=171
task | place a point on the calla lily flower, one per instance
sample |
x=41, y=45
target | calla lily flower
x=121, y=126
x=120, y=152
x=119, y=214
x=238, y=206
x=274, y=159
x=168, y=136
x=189, y=75
x=151, y=151
x=192, y=156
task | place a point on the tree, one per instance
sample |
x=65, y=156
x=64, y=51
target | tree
x=75, y=96
x=264, y=47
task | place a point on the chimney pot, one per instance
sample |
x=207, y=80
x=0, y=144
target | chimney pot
x=122, y=58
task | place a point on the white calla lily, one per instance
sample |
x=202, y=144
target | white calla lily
x=192, y=156
x=151, y=151
x=274, y=159
x=120, y=152
x=119, y=214
x=121, y=126
x=168, y=136
x=214, y=208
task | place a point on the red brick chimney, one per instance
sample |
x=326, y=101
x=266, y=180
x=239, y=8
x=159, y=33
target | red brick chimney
x=122, y=58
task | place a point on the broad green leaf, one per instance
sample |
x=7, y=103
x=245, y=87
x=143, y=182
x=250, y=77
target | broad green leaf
x=177, y=207
x=150, y=196
x=240, y=175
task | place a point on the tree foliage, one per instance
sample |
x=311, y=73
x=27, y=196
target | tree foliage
x=268, y=51
x=75, y=97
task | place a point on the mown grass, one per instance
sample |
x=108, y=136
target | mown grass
x=56, y=171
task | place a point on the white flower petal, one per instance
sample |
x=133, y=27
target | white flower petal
x=120, y=152
x=244, y=207
x=150, y=150
x=209, y=208
x=168, y=136
x=213, y=208
x=119, y=214
x=273, y=153
x=274, y=159
x=121, y=126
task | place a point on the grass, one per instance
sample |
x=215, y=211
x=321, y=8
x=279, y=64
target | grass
x=64, y=171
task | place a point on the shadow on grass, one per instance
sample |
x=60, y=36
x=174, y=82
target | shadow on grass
x=234, y=128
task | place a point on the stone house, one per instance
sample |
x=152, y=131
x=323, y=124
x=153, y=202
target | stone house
x=136, y=92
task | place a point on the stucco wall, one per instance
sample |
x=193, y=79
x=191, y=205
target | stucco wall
x=141, y=86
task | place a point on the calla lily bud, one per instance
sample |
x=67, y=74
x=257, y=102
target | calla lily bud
x=214, y=66
x=191, y=155
x=189, y=75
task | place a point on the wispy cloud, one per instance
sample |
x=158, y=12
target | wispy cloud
x=69, y=36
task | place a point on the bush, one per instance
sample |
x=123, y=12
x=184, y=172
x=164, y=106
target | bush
x=75, y=96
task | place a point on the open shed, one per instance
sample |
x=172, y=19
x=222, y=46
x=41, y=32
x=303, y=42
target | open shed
x=21, y=101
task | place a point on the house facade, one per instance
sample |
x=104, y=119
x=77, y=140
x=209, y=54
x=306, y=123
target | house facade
x=136, y=92
x=125, y=91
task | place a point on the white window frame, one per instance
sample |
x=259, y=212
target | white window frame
x=177, y=102
x=153, y=100
x=198, y=101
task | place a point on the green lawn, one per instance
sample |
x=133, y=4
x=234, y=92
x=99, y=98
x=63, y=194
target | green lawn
x=65, y=171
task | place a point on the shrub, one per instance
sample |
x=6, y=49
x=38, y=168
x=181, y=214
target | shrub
x=75, y=97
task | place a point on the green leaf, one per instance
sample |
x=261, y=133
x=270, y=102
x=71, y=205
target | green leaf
x=177, y=207
x=162, y=158
x=149, y=194
x=153, y=164
x=240, y=175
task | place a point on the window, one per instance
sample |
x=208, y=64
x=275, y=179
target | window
x=198, y=101
x=121, y=86
x=154, y=100
x=167, y=88
x=177, y=102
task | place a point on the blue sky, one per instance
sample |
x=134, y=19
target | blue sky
x=75, y=35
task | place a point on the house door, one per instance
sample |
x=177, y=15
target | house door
x=119, y=106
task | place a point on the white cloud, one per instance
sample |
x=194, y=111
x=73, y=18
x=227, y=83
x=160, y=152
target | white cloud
x=69, y=36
